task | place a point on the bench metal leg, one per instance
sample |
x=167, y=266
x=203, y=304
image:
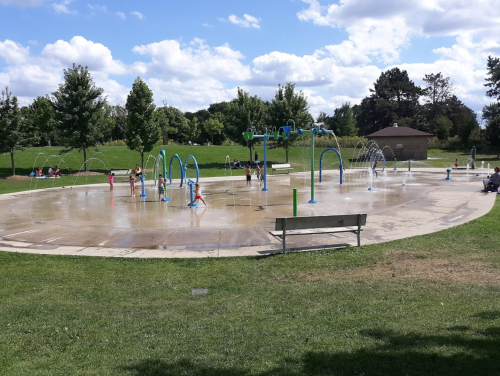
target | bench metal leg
x=284, y=235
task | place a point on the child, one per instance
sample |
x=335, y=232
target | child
x=375, y=170
x=456, y=164
x=50, y=172
x=111, y=181
x=261, y=179
x=248, y=173
x=197, y=195
x=132, y=185
x=161, y=188
x=38, y=171
x=257, y=172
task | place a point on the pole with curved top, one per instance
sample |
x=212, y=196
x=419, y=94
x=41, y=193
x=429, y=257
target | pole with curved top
x=321, y=161
x=170, y=169
x=373, y=157
x=195, y=165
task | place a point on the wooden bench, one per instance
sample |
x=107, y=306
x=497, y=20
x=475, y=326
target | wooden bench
x=281, y=167
x=323, y=224
x=122, y=174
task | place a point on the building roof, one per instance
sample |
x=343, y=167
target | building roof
x=399, y=132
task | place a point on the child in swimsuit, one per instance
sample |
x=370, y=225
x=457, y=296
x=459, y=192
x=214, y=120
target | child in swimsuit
x=111, y=181
x=197, y=195
x=161, y=187
x=132, y=185
x=248, y=173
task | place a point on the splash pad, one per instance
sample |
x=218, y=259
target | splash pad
x=90, y=220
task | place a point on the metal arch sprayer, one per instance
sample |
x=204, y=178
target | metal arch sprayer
x=373, y=157
x=321, y=161
x=195, y=165
x=170, y=169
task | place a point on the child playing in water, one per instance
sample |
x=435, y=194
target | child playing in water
x=375, y=170
x=132, y=185
x=257, y=172
x=111, y=181
x=248, y=173
x=197, y=195
x=161, y=188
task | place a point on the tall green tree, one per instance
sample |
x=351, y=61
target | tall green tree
x=15, y=132
x=175, y=124
x=344, y=122
x=143, y=131
x=493, y=66
x=191, y=131
x=213, y=126
x=394, y=99
x=289, y=105
x=80, y=110
x=492, y=133
x=118, y=122
x=442, y=127
x=41, y=116
x=245, y=112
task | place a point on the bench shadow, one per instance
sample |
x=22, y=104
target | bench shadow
x=393, y=354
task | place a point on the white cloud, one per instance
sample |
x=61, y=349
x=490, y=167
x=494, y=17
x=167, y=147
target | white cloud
x=84, y=52
x=63, y=7
x=33, y=42
x=102, y=8
x=246, y=21
x=206, y=25
x=170, y=60
x=13, y=53
x=121, y=15
x=138, y=15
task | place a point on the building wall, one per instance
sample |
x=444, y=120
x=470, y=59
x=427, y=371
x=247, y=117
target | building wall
x=411, y=147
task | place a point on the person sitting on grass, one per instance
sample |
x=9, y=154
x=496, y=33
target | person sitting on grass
x=39, y=172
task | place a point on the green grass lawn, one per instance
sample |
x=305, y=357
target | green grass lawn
x=428, y=305
x=209, y=158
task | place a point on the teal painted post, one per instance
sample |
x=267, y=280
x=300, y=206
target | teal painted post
x=164, y=158
x=473, y=156
x=312, y=201
x=295, y=202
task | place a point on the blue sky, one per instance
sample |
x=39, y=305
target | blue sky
x=196, y=52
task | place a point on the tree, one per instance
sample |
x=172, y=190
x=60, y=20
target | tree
x=492, y=134
x=491, y=111
x=442, y=127
x=394, y=99
x=438, y=90
x=191, y=130
x=344, y=122
x=493, y=66
x=245, y=112
x=16, y=134
x=118, y=119
x=174, y=125
x=80, y=111
x=41, y=116
x=143, y=131
x=213, y=126
x=289, y=105
x=467, y=122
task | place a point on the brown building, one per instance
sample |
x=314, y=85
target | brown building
x=406, y=143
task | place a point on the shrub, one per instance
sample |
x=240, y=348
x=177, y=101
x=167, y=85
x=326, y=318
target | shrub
x=228, y=142
x=116, y=143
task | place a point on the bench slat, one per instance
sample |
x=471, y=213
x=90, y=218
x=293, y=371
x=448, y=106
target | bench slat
x=322, y=221
x=316, y=231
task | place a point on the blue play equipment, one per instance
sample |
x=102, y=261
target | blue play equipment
x=190, y=183
x=170, y=169
x=250, y=135
x=341, y=167
x=373, y=157
x=143, y=178
x=195, y=165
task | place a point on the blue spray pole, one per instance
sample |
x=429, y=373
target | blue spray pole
x=143, y=177
x=191, y=183
x=265, y=162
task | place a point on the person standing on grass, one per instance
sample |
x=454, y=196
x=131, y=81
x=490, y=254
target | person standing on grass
x=197, y=195
x=111, y=181
x=248, y=173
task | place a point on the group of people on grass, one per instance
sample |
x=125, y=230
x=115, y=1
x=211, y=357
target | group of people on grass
x=52, y=172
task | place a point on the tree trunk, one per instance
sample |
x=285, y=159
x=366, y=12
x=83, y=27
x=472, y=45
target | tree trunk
x=85, y=158
x=212, y=139
x=250, y=147
x=12, y=161
x=142, y=161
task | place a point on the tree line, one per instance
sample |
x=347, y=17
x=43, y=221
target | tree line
x=77, y=115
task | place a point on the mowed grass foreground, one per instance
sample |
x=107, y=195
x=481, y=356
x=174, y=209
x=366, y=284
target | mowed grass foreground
x=211, y=161
x=428, y=305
